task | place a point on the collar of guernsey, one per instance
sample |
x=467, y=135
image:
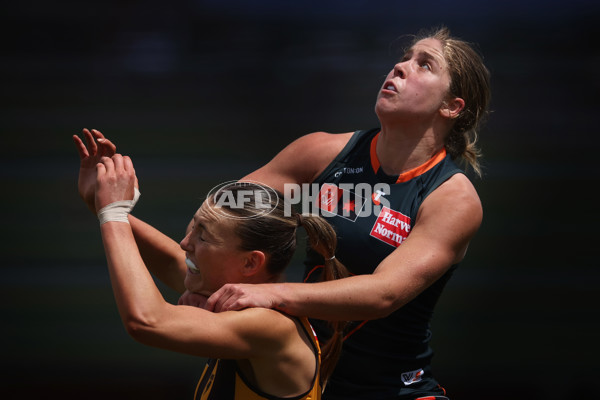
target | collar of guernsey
x=410, y=174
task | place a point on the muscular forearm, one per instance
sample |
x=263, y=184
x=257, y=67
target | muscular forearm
x=162, y=256
x=354, y=298
x=138, y=299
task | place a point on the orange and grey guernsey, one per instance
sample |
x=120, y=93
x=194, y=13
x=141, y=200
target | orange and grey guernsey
x=380, y=358
x=223, y=380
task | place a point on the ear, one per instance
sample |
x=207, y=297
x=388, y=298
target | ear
x=452, y=107
x=255, y=262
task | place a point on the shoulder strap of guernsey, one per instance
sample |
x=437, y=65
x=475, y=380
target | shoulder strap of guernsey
x=342, y=158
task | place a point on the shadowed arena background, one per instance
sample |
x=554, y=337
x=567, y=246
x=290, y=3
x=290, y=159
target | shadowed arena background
x=200, y=92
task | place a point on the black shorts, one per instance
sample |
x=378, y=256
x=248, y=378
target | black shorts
x=427, y=388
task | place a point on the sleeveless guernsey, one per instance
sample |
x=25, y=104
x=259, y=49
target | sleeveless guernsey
x=390, y=354
x=223, y=380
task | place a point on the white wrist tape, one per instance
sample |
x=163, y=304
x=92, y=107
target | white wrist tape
x=119, y=210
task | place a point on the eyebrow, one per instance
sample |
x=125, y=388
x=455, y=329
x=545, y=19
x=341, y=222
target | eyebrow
x=423, y=54
x=204, y=229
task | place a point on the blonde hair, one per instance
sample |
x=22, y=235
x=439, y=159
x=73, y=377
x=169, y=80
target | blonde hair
x=469, y=80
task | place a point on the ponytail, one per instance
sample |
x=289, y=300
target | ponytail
x=274, y=233
x=322, y=239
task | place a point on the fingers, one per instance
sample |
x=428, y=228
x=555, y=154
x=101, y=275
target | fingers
x=106, y=147
x=95, y=144
x=107, y=164
x=90, y=142
x=123, y=165
x=128, y=165
x=97, y=134
x=100, y=171
x=81, y=149
x=225, y=299
x=117, y=160
x=192, y=299
x=119, y=163
x=213, y=302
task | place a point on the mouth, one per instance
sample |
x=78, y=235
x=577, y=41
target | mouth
x=390, y=87
x=191, y=266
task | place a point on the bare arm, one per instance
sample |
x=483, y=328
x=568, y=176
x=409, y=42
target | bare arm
x=446, y=222
x=162, y=255
x=149, y=319
x=301, y=161
x=153, y=321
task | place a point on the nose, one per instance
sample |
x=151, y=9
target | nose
x=401, y=69
x=185, y=243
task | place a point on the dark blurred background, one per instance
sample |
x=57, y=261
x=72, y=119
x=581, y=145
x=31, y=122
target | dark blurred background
x=200, y=92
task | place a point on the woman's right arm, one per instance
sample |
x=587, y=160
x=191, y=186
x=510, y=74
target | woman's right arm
x=299, y=162
x=162, y=255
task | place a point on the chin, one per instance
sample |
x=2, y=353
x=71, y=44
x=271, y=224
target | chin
x=194, y=283
x=384, y=112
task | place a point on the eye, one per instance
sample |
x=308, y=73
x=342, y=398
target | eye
x=200, y=233
x=425, y=65
x=196, y=230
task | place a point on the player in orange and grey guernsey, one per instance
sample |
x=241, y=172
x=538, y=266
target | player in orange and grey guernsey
x=429, y=106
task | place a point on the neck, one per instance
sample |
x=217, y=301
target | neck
x=401, y=147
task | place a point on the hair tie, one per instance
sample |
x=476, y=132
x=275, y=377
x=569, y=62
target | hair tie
x=299, y=219
x=332, y=257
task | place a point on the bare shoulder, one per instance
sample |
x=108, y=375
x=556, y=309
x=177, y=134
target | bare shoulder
x=283, y=363
x=457, y=191
x=267, y=323
x=319, y=149
x=336, y=140
x=302, y=160
x=454, y=206
x=270, y=332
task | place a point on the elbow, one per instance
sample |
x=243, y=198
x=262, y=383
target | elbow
x=140, y=327
x=379, y=304
x=386, y=304
x=381, y=300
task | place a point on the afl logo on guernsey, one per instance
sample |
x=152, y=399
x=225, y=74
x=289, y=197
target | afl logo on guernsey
x=391, y=227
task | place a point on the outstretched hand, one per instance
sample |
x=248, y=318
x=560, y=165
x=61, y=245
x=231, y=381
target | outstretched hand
x=90, y=154
x=233, y=297
x=115, y=180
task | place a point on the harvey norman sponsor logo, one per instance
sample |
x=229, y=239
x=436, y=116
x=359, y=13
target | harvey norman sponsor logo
x=391, y=227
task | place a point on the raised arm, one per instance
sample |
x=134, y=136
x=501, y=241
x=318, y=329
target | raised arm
x=301, y=161
x=162, y=255
x=446, y=222
x=149, y=318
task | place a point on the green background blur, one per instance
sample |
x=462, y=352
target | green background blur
x=201, y=92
